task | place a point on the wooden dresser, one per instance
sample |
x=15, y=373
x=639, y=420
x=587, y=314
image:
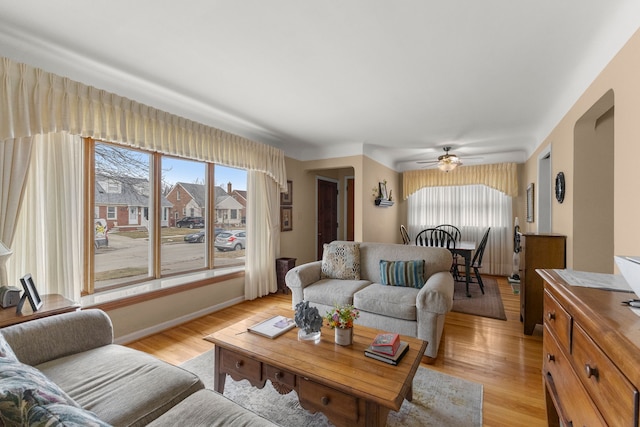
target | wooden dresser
x=537, y=251
x=591, y=355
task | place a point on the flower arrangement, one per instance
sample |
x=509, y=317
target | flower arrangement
x=342, y=316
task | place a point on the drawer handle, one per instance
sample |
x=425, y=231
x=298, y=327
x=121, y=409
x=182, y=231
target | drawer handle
x=591, y=372
x=551, y=316
x=551, y=357
x=239, y=364
x=324, y=400
x=278, y=375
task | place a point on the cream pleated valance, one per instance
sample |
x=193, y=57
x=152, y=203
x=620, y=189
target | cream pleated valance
x=33, y=101
x=501, y=176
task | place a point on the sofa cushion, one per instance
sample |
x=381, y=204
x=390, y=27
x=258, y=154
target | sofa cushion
x=402, y=273
x=122, y=386
x=391, y=301
x=333, y=291
x=208, y=408
x=341, y=260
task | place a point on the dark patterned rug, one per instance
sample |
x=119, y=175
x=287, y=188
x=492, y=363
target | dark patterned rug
x=487, y=305
x=438, y=400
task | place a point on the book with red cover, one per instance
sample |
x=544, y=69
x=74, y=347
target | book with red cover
x=386, y=343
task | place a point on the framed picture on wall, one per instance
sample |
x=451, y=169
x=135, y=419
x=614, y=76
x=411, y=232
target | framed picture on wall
x=286, y=218
x=287, y=198
x=530, y=203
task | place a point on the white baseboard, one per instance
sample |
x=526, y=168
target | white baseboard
x=134, y=336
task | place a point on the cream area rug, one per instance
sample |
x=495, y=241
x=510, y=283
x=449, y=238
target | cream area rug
x=438, y=400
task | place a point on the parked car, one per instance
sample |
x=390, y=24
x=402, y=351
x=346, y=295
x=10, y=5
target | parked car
x=191, y=222
x=195, y=237
x=231, y=240
x=200, y=236
x=101, y=233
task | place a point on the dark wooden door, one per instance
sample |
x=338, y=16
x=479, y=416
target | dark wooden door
x=327, y=214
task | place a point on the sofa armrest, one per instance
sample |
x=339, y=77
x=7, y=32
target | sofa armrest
x=300, y=277
x=436, y=296
x=52, y=337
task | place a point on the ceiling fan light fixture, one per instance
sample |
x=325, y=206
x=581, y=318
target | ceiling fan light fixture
x=448, y=162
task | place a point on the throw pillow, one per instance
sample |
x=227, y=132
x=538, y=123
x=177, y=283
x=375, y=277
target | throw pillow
x=5, y=350
x=341, y=260
x=402, y=273
x=63, y=415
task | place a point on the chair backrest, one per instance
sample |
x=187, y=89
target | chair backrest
x=405, y=235
x=435, y=237
x=451, y=229
x=477, y=257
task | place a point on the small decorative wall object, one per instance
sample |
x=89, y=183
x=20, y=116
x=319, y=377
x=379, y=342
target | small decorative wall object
x=530, y=203
x=287, y=198
x=382, y=195
x=286, y=218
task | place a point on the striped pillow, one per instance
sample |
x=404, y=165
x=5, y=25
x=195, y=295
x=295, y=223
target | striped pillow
x=402, y=273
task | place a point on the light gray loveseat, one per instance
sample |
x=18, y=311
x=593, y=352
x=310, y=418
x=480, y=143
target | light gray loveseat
x=417, y=312
x=65, y=370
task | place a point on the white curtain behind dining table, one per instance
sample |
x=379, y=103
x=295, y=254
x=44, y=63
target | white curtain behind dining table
x=471, y=208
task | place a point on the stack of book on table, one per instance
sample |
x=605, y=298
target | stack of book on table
x=387, y=347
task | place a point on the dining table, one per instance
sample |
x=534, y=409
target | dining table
x=465, y=249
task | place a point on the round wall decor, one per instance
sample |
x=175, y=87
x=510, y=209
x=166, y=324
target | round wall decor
x=560, y=187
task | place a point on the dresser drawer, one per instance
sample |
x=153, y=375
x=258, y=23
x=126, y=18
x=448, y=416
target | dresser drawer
x=240, y=367
x=327, y=400
x=557, y=320
x=564, y=386
x=609, y=388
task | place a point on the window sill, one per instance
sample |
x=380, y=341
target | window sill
x=157, y=288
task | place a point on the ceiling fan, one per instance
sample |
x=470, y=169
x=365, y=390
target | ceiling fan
x=446, y=162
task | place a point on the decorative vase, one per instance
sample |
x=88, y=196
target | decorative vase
x=308, y=336
x=344, y=336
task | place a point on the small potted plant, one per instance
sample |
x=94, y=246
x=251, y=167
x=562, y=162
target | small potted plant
x=341, y=318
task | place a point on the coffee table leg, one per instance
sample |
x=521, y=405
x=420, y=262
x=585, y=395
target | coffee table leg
x=409, y=396
x=218, y=376
x=375, y=415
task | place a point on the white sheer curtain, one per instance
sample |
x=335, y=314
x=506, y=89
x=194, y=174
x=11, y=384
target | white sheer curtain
x=48, y=235
x=14, y=161
x=471, y=208
x=263, y=235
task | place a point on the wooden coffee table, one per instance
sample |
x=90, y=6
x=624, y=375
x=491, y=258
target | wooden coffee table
x=341, y=382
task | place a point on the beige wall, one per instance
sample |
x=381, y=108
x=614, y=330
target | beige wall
x=621, y=76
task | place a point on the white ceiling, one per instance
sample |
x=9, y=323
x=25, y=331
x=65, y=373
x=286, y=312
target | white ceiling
x=394, y=80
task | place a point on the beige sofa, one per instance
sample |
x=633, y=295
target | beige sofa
x=407, y=310
x=65, y=370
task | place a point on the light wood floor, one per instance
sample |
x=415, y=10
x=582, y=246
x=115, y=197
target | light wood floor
x=495, y=353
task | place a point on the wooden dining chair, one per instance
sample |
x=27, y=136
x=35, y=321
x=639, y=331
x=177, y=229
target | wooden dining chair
x=476, y=261
x=435, y=237
x=405, y=234
x=457, y=236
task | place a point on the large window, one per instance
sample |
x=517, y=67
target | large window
x=161, y=216
x=471, y=208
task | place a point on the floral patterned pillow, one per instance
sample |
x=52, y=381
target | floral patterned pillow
x=341, y=260
x=5, y=350
x=63, y=415
x=23, y=387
